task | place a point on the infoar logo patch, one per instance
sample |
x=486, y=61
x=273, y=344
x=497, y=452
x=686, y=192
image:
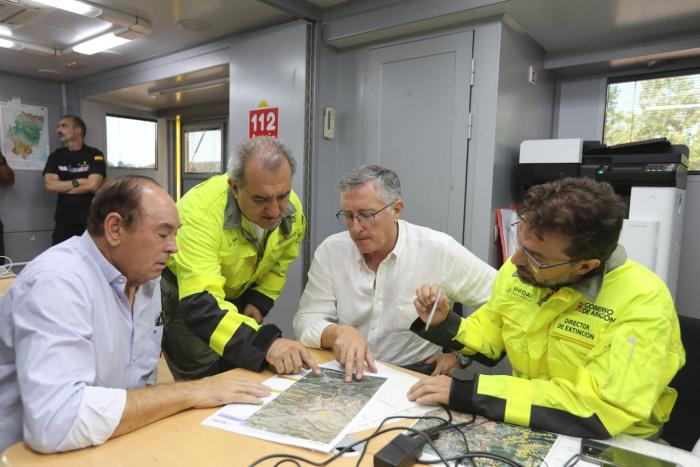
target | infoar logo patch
x=522, y=293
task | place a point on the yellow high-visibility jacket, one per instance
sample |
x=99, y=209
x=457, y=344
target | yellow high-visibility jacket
x=217, y=262
x=593, y=359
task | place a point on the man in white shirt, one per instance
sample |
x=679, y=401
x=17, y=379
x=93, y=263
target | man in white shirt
x=80, y=331
x=358, y=300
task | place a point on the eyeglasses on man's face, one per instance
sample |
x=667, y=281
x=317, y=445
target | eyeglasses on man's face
x=366, y=219
x=514, y=227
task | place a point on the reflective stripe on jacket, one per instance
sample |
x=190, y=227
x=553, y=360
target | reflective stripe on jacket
x=593, y=359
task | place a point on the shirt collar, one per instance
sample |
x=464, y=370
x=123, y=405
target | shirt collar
x=108, y=270
x=590, y=285
x=401, y=238
x=113, y=276
x=402, y=226
x=233, y=215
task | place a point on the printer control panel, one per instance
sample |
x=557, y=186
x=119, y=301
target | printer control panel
x=664, y=167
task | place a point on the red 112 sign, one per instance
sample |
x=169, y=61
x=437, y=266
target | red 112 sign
x=263, y=122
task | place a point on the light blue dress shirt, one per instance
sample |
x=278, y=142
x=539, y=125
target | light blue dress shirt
x=70, y=346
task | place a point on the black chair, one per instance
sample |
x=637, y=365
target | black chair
x=682, y=430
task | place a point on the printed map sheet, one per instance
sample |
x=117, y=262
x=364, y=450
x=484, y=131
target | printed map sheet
x=523, y=445
x=309, y=411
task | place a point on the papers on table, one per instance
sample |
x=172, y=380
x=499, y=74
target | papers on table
x=390, y=399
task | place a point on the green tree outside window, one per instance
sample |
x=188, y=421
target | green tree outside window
x=655, y=108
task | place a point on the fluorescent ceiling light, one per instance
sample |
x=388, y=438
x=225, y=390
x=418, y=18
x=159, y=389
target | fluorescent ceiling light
x=191, y=86
x=100, y=44
x=74, y=6
x=5, y=31
x=6, y=44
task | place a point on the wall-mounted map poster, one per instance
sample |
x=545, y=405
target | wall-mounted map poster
x=24, y=135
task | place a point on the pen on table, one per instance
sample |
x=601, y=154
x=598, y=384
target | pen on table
x=432, y=311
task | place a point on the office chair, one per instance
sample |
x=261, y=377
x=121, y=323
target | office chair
x=683, y=428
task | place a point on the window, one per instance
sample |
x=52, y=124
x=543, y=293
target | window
x=653, y=108
x=131, y=143
x=203, y=150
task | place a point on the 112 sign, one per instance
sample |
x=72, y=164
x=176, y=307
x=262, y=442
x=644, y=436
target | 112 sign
x=263, y=122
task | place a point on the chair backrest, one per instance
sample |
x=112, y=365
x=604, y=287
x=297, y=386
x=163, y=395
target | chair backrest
x=683, y=429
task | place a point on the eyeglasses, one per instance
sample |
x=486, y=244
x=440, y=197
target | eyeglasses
x=531, y=259
x=366, y=219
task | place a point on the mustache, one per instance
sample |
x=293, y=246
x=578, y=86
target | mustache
x=526, y=276
x=522, y=271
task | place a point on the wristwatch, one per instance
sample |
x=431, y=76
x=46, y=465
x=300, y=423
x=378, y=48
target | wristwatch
x=75, y=182
x=463, y=360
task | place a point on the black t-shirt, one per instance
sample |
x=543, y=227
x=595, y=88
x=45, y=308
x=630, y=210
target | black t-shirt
x=69, y=165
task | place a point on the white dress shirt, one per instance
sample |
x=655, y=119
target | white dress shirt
x=70, y=346
x=342, y=289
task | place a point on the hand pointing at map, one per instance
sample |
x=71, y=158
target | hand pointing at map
x=351, y=350
x=288, y=356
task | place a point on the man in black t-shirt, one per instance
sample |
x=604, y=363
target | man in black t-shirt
x=75, y=172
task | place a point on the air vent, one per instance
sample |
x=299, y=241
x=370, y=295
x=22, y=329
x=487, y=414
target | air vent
x=15, y=14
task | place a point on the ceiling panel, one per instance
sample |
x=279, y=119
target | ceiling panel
x=137, y=97
x=62, y=29
x=559, y=25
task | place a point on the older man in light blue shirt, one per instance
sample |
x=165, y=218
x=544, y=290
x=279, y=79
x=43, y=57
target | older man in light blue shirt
x=80, y=330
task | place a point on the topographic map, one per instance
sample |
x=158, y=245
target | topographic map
x=523, y=445
x=25, y=140
x=316, y=408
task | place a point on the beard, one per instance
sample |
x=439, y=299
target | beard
x=525, y=276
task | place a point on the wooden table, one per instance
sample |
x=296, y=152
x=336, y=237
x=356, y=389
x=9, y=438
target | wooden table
x=181, y=440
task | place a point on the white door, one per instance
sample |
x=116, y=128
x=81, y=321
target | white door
x=417, y=103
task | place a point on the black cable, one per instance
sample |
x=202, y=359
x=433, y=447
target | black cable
x=487, y=455
x=464, y=438
x=573, y=460
x=468, y=455
x=287, y=460
x=427, y=433
x=397, y=417
x=293, y=457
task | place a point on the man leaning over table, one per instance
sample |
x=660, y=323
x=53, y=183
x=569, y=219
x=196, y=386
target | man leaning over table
x=240, y=233
x=592, y=336
x=358, y=300
x=80, y=331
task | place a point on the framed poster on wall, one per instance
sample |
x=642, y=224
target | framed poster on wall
x=24, y=133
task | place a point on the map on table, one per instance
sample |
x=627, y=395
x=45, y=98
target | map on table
x=314, y=412
x=525, y=446
x=316, y=408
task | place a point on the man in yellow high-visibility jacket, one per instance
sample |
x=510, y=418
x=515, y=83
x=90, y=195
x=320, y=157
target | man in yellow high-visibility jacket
x=593, y=337
x=240, y=232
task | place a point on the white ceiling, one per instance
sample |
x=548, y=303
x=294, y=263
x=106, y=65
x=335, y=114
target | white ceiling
x=61, y=29
x=559, y=25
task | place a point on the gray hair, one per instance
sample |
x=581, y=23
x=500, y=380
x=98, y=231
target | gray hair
x=387, y=182
x=271, y=150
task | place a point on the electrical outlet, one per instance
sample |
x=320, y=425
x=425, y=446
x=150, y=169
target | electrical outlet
x=329, y=123
x=532, y=75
